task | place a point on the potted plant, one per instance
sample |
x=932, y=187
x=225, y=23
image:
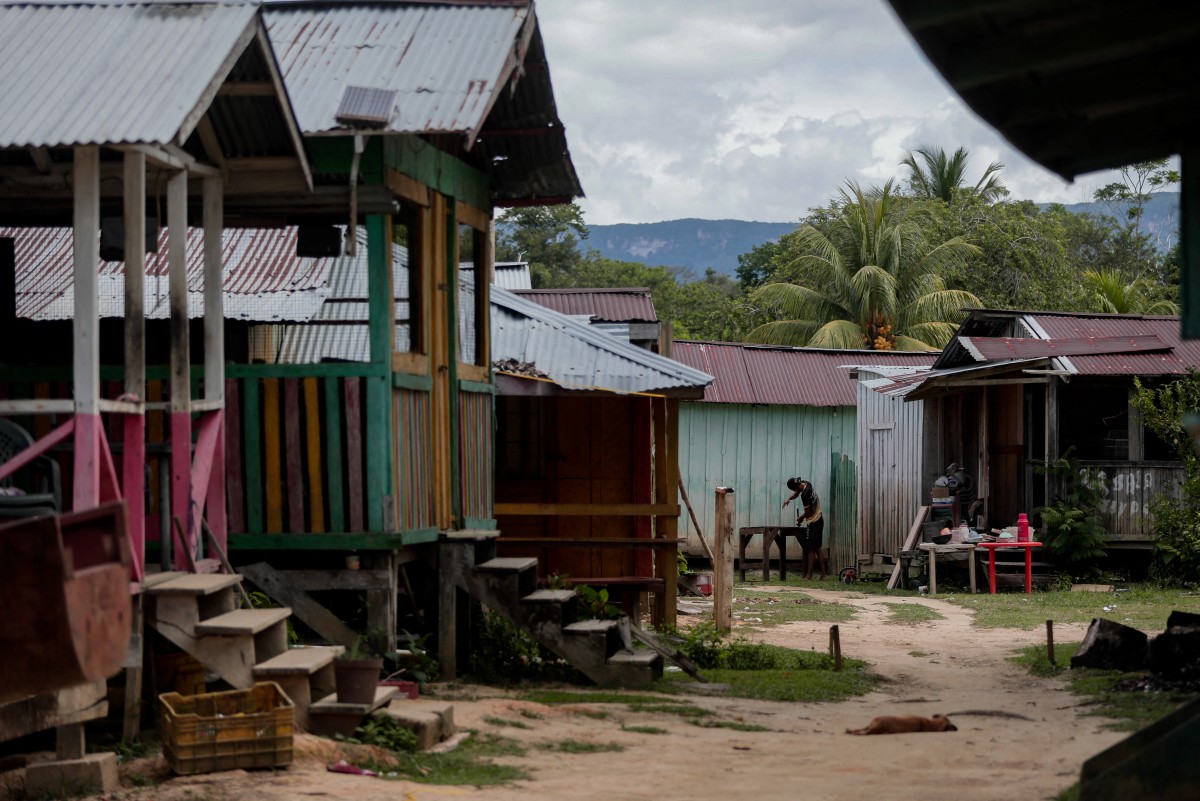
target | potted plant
x=356, y=672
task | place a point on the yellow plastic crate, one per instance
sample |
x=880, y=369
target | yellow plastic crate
x=227, y=730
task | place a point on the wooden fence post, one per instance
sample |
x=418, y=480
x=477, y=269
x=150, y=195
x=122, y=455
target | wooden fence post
x=723, y=564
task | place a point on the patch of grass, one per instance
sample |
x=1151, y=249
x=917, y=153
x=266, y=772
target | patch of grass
x=867, y=584
x=470, y=763
x=1129, y=710
x=514, y=724
x=681, y=709
x=1069, y=794
x=579, y=747
x=728, y=724
x=644, y=729
x=529, y=713
x=594, y=714
x=787, y=606
x=1143, y=607
x=917, y=654
x=559, y=697
x=911, y=614
x=785, y=685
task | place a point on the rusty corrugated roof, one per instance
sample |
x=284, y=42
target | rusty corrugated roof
x=606, y=305
x=263, y=279
x=766, y=375
x=987, y=349
x=1183, y=354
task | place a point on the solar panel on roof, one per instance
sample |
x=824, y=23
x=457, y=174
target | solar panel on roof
x=362, y=105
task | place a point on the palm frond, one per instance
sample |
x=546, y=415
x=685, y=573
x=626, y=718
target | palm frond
x=840, y=335
x=909, y=343
x=783, y=332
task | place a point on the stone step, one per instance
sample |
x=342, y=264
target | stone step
x=643, y=658
x=514, y=564
x=327, y=717
x=549, y=597
x=298, y=661
x=243, y=621
x=154, y=579
x=471, y=534
x=194, y=584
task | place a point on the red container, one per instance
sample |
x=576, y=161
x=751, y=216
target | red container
x=1022, y=528
x=410, y=689
x=704, y=584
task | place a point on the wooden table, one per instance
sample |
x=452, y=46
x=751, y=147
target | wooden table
x=775, y=534
x=993, y=546
x=933, y=549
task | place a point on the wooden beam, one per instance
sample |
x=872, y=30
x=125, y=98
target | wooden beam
x=211, y=143
x=723, y=567
x=588, y=509
x=407, y=188
x=135, y=274
x=41, y=159
x=303, y=605
x=180, y=367
x=86, y=359
x=322, y=580
x=171, y=157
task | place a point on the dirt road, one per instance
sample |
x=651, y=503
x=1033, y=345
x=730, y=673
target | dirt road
x=945, y=666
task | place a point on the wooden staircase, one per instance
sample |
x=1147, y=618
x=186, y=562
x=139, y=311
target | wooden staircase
x=198, y=613
x=508, y=586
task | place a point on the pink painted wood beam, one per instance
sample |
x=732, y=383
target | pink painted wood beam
x=133, y=487
x=110, y=487
x=215, y=510
x=27, y=456
x=208, y=440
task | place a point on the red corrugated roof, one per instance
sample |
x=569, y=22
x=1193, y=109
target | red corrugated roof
x=988, y=349
x=615, y=305
x=784, y=376
x=1183, y=353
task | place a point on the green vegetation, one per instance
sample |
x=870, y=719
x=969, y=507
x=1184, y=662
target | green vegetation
x=940, y=177
x=1072, y=528
x=1109, y=693
x=386, y=732
x=871, y=278
x=735, y=725
x=505, y=654
x=1142, y=607
x=910, y=614
x=644, y=729
x=514, y=724
x=469, y=764
x=580, y=747
x=759, y=608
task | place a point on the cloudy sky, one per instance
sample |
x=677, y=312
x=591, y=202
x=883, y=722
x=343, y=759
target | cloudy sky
x=753, y=109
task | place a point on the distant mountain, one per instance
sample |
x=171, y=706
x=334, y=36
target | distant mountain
x=697, y=245
x=1160, y=218
x=692, y=244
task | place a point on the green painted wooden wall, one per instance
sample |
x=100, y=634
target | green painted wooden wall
x=755, y=449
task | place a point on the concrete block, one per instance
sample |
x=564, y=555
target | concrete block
x=94, y=773
x=431, y=721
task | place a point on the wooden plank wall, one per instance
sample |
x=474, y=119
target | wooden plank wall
x=297, y=444
x=414, y=454
x=476, y=482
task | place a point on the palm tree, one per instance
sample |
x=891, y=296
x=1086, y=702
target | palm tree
x=1116, y=295
x=874, y=282
x=942, y=177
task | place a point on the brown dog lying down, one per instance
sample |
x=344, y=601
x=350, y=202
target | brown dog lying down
x=903, y=724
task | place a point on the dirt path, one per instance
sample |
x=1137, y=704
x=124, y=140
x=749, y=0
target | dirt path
x=944, y=666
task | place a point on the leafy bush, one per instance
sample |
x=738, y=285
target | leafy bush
x=709, y=649
x=386, y=732
x=1170, y=411
x=1071, y=526
x=507, y=654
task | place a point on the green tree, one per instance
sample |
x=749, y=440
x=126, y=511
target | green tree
x=1117, y=294
x=1128, y=197
x=937, y=176
x=876, y=280
x=547, y=237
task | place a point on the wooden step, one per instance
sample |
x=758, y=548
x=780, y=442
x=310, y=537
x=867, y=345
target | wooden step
x=298, y=661
x=514, y=564
x=161, y=577
x=645, y=658
x=550, y=597
x=591, y=627
x=328, y=718
x=195, y=584
x=243, y=621
x=471, y=534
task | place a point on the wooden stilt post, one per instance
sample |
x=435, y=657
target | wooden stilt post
x=1050, y=643
x=133, y=460
x=723, y=566
x=835, y=647
x=86, y=362
x=214, y=354
x=181, y=405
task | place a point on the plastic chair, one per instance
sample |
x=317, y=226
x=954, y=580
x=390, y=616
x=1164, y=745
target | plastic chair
x=46, y=494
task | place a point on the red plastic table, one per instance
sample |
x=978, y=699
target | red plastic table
x=992, y=546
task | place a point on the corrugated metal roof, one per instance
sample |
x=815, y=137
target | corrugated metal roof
x=445, y=62
x=987, y=349
x=1184, y=354
x=609, y=305
x=577, y=356
x=921, y=384
x=512, y=275
x=759, y=374
x=99, y=73
x=263, y=278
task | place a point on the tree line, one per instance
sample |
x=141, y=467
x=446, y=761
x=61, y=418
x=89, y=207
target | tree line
x=888, y=267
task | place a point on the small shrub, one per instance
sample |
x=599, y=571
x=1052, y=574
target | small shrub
x=385, y=732
x=1071, y=526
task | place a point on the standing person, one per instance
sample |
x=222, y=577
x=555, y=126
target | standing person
x=811, y=504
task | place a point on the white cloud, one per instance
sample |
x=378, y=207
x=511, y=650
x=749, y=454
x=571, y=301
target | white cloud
x=755, y=110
